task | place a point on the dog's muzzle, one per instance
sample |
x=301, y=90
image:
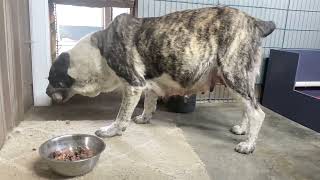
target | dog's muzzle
x=56, y=94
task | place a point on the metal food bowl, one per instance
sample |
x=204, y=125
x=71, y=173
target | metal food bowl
x=72, y=141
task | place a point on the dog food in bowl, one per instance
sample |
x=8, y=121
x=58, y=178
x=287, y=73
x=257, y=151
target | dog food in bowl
x=72, y=155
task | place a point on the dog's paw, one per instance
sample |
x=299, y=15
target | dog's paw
x=238, y=130
x=109, y=131
x=141, y=119
x=245, y=147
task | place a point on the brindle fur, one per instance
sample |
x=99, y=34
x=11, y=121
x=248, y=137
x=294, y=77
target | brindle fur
x=183, y=53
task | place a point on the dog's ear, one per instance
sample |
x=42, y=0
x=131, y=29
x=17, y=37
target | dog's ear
x=265, y=27
x=94, y=40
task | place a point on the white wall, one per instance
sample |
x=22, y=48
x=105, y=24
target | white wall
x=40, y=50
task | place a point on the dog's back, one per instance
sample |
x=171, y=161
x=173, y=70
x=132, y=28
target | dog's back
x=188, y=45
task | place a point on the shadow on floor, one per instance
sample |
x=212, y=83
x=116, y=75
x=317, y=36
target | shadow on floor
x=41, y=168
x=285, y=150
x=106, y=107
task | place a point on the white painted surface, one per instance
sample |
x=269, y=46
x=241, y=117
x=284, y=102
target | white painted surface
x=308, y=84
x=40, y=49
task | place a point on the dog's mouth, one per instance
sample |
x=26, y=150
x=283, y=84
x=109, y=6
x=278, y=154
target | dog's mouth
x=58, y=95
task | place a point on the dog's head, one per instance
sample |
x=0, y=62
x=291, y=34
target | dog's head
x=60, y=83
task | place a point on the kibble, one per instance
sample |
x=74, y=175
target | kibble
x=70, y=155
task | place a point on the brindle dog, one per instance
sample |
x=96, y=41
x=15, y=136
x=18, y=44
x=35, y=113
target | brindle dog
x=177, y=54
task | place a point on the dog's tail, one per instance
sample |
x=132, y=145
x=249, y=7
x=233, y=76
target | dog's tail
x=265, y=27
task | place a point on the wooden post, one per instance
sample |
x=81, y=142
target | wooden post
x=53, y=30
x=107, y=16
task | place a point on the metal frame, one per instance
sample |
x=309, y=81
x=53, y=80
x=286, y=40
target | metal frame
x=274, y=10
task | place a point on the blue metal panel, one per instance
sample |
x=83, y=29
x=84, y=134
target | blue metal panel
x=309, y=66
x=279, y=92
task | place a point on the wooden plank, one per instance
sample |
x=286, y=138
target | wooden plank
x=25, y=47
x=2, y=57
x=16, y=66
x=3, y=129
x=6, y=64
x=12, y=55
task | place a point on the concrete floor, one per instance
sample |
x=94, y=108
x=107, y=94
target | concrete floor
x=285, y=150
x=200, y=143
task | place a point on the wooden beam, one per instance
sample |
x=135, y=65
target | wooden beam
x=98, y=3
x=134, y=10
x=107, y=16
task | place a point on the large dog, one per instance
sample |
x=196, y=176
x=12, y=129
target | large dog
x=177, y=54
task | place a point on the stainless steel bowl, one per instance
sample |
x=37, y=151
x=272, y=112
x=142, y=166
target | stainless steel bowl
x=72, y=141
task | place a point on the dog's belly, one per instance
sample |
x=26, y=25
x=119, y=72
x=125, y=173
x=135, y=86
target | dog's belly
x=166, y=86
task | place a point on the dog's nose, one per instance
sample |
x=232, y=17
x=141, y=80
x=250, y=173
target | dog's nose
x=57, y=97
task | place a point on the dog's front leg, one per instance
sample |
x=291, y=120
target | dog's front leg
x=130, y=99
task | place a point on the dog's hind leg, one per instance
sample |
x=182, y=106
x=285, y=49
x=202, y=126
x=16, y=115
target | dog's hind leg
x=150, y=106
x=241, y=79
x=255, y=118
x=130, y=99
x=244, y=87
x=243, y=127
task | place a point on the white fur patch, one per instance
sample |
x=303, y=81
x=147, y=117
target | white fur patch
x=90, y=70
x=131, y=96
